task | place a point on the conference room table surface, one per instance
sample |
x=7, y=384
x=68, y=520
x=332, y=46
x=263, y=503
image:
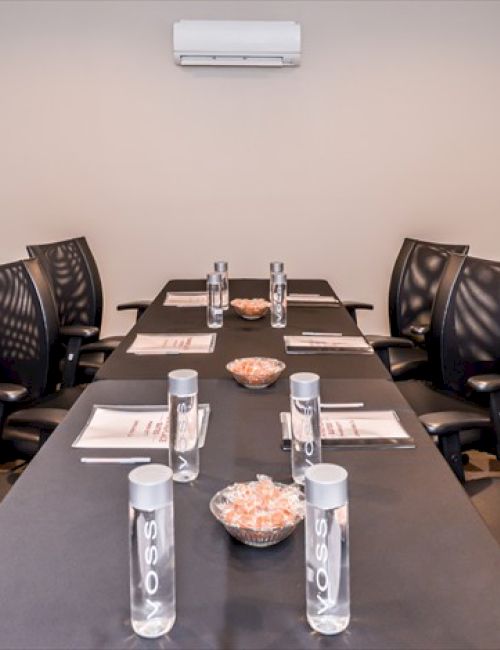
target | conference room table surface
x=424, y=568
x=242, y=338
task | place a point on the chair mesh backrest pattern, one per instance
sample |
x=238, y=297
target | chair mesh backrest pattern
x=75, y=280
x=24, y=343
x=419, y=274
x=470, y=336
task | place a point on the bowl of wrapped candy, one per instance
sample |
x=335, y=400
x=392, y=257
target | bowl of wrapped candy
x=259, y=513
x=255, y=372
x=250, y=308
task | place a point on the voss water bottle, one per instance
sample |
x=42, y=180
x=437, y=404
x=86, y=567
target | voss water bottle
x=305, y=419
x=152, y=557
x=327, y=548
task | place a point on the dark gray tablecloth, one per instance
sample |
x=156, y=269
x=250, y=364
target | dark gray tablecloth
x=242, y=338
x=425, y=570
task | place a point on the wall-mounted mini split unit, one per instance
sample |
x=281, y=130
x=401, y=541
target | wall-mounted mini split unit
x=237, y=43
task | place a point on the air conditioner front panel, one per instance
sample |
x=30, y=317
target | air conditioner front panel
x=239, y=39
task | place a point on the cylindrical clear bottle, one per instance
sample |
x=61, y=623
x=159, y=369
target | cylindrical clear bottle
x=183, y=451
x=275, y=267
x=327, y=548
x=222, y=268
x=278, y=301
x=215, y=311
x=305, y=416
x=152, y=550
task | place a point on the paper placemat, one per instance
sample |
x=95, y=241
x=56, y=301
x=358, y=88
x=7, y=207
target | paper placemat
x=173, y=344
x=355, y=429
x=312, y=298
x=326, y=344
x=133, y=427
x=186, y=299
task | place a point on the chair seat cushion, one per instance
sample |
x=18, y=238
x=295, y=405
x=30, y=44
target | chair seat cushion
x=408, y=363
x=424, y=399
x=26, y=439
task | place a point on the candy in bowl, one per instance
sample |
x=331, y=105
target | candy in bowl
x=250, y=308
x=259, y=513
x=256, y=372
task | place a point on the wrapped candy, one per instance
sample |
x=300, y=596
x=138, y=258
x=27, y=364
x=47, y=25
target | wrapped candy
x=262, y=505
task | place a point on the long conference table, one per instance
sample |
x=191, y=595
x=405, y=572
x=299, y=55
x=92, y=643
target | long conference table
x=425, y=571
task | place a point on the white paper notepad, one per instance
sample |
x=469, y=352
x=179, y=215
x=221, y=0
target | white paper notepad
x=312, y=298
x=186, y=299
x=315, y=344
x=173, y=344
x=133, y=427
x=357, y=428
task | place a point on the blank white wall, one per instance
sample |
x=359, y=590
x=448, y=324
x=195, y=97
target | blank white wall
x=390, y=128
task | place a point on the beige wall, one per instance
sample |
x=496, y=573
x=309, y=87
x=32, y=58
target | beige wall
x=389, y=128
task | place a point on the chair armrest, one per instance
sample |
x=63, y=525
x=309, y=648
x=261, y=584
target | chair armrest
x=353, y=305
x=38, y=418
x=379, y=342
x=140, y=305
x=104, y=345
x=79, y=331
x=445, y=423
x=12, y=392
x=485, y=383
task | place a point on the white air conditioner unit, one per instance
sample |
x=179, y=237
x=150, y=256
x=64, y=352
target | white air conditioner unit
x=237, y=42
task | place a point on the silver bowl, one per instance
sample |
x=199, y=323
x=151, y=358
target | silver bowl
x=250, y=536
x=265, y=381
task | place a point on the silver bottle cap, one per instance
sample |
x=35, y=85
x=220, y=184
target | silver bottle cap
x=304, y=385
x=220, y=267
x=182, y=382
x=277, y=267
x=150, y=487
x=279, y=278
x=326, y=486
x=214, y=278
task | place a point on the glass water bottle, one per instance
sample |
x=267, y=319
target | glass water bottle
x=222, y=268
x=305, y=419
x=327, y=548
x=275, y=267
x=152, y=556
x=215, y=313
x=183, y=451
x=278, y=301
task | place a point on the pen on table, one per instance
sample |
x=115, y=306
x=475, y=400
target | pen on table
x=321, y=333
x=346, y=405
x=124, y=460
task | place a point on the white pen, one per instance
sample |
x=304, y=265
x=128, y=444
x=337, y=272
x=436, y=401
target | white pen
x=124, y=460
x=347, y=405
x=321, y=333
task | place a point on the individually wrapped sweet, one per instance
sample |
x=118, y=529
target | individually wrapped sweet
x=262, y=505
x=256, y=371
x=250, y=307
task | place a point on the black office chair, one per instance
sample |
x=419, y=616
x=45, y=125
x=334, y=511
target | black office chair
x=461, y=405
x=414, y=282
x=77, y=289
x=30, y=406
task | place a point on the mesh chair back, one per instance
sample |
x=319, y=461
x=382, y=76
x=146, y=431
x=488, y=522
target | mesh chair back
x=414, y=282
x=465, y=329
x=28, y=328
x=75, y=280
